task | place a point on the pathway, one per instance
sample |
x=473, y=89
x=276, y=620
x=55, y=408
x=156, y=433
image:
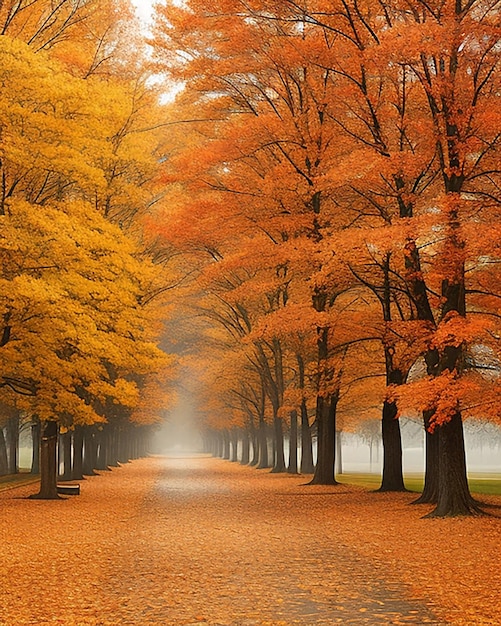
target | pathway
x=189, y=540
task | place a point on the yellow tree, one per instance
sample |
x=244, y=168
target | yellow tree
x=73, y=280
x=74, y=332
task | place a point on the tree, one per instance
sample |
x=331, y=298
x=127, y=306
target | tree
x=79, y=332
x=320, y=126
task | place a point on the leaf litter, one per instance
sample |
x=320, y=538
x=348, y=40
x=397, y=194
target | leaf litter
x=202, y=541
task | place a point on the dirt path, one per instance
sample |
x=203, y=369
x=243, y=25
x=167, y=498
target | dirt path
x=177, y=541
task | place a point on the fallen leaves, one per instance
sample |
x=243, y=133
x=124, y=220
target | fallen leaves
x=206, y=542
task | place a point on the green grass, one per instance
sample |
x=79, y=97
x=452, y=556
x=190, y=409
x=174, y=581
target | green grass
x=479, y=483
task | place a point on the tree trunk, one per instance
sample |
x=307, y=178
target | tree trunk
x=272, y=440
x=77, y=467
x=4, y=461
x=102, y=452
x=279, y=465
x=263, y=444
x=424, y=312
x=325, y=414
x=226, y=445
x=454, y=496
x=112, y=445
x=430, y=489
x=48, y=464
x=220, y=444
x=124, y=438
x=13, y=443
x=255, y=446
x=393, y=477
x=36, y=433
x=326, y=454
x=245, y=447
x=65, y=440
x=90, y=452
x=307, y=465
x=339, y=453
x=135, y=445
x=233, y=445
x=292, y=469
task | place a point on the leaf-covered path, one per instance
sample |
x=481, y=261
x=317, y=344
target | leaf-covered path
x=188, y=540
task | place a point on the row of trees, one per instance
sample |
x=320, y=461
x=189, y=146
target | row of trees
x=334, y=190
x=80, y=322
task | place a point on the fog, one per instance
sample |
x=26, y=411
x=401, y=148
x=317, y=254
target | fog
x=143, y=9
x=178, y=434
x=360, y=453
x=179, y=431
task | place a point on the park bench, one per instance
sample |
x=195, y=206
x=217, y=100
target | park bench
x=69, y=490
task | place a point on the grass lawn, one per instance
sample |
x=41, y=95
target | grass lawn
x=479, y=483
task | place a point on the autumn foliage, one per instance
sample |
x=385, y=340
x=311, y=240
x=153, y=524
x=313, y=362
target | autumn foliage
x=320, y=200
x=80, y=327
x=334, y=178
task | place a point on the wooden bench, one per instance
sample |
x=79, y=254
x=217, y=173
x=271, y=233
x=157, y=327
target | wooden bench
x=69, y=490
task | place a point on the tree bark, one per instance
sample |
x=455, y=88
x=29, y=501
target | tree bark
x=4, y=461
x=36, y=433
x=226, y=445
x=273, y=442
x=124, y=440
x=263, y=444
x=13, y=443
x=65, y=441
x=220, y=444
x=339, y=453
x=48, y=464
x=255, y=446
x=326, y=454
x=325, y=413
x=393, y=477
x=233, y=445
x=454, y=496
x=102, y=449
x=307, y=465
x=292, y=469
x=245, y=447
x=430, y=488
x=112, y=446
x=90, y=452
x=77, y=466
x=279, y=465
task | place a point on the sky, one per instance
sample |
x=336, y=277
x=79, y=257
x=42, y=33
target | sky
x=143, y=8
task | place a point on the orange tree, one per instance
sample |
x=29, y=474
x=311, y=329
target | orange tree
x=427, y=112
x=270, y=147
x=439, y=142
x=345, y=129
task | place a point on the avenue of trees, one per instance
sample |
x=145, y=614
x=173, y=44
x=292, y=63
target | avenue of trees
x=80, y=325
x=333, y=184
x=320, y=203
